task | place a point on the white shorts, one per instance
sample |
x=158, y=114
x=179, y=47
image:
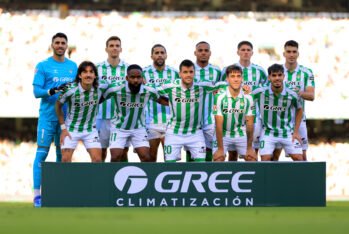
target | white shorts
x=209, y=131
x=268, y=144
x=103, y=127
x=120, y=138
x=156, y=131
x=195, y=143
x=303, y=132
x=257, y=131
x=239, y=144
x=90, y=140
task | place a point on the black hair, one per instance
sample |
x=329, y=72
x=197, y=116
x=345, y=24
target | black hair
x=186, y=63
x=275, y=68
x=291, y=43
x=112, y=38
x=232, y=68
x=157, y=45
x=134, y=66
x=82, y=67
x=241, y=43
x=59, y=34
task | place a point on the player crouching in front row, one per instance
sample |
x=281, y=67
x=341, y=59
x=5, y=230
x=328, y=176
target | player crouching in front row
x=234, y=115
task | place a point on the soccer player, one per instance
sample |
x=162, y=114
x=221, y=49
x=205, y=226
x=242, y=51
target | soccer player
x=205, y=71
x=50, y=75
x=234, y=113
x=131, y=97
x=157, y=115
x=281, y=113
x=254, y=76
x=301, y=80
x=185, y=126
x=83, y=97
x=110, y=70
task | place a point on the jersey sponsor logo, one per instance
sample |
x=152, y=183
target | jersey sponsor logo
x=132, y=104
x=232, y=111
x=112, y=78
x=187, y=100
x=88, y=103
x=62, y=79
x=274, y=108
x=250, y=83
x=293, y=83
x=158, y=81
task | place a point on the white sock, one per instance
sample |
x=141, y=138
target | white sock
x=37, y=192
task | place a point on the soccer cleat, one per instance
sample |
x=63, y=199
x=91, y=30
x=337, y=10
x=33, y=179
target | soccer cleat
x=37, y=201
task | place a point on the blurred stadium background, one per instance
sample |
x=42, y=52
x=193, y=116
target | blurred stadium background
x=321, y=27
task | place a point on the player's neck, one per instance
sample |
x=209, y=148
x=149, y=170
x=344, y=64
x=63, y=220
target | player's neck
x=86, y=87
x=245, y=63
x=202, y=64
x=291, y=66
x=187, y=86
x=277, y=91
x=113, y=61
x=58, y=58
x=159, y=68
x=234, y=92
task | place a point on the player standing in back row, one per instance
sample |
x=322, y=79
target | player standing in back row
x=49, y=75
x=205, y=71
x=111, y=70
x=157, y=115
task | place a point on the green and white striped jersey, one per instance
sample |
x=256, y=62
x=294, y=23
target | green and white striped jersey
x=110, y=74
x=277, y=112
x=299, y=80
x=82, y=106
x=234, y=111
x=209, y=73
x=130, y=107
x=155, y=112
x=254, y=76
x=186, y=104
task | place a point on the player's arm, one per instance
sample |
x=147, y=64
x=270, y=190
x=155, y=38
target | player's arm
x=298, y=119
x=308, y=94
x=250, y=114
x=219, y=154
x=163, y=101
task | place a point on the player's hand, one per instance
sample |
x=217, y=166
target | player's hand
x=251, y=155
x=63, y=87
x=246, y=89
x=219, y=156
x=64, y=134
x=58, y=89
x=296, y=136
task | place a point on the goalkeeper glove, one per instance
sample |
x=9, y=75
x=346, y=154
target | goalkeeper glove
x=57, y=89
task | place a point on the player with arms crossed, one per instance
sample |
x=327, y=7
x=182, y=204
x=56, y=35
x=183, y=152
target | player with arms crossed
x=254, y=76
x=111, y=70
x=185, y=99
x=234, y=114
x=50, y=76
x=157, y=115
x=281, y=113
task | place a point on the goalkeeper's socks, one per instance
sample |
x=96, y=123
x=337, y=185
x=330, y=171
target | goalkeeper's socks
x=41, y=155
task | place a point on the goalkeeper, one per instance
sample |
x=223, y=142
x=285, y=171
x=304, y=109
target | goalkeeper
x=50, y=76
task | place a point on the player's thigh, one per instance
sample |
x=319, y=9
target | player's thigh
x=173, y=146
x=103, y=126
x=139, y=138
x=240, y=145
x=195, y=143
x=257, y=131
x=155, y=133
x=209, y=133
x=292, y=148
x=303, y=132
x=91, y=140
x=119, y=138
x=46, y=132
x=267, y=145
x=72, y=141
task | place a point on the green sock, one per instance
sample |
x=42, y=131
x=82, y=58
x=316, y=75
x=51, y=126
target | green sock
x=199, y=160
x=188, y=156
x=170, y=161
x=208, y=156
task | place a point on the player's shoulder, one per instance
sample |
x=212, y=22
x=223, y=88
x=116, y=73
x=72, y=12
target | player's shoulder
x=174, y=83
x=101, y=64
x=306, y=70
x=215, y=67
x=172, y=69
x=258, y=67
x=260, y=90
x=291, y=92
x=69, y=61
x=147, y=68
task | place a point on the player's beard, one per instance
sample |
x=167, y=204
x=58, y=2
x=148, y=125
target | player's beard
x=134, y=88
x=160, y=62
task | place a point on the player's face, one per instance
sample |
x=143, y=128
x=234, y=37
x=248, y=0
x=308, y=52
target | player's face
x=87, y=76
x=235, y=79
x=159, y=56
x=59, y=46
x=113, y=49
x=276, y=79
x=135, y=79
x=291, y=54
x=187, y=75
x=202, y=53
x=245, y=53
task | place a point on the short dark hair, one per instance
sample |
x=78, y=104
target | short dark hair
x=157, y=45
x=275, y=68
x=241, y=43
x=186, y=63
x=202, y=42
x=291, y=43
x=82, y=67
x=232, y=68
x=59, y=34
x=112, y=38
x=134, y=66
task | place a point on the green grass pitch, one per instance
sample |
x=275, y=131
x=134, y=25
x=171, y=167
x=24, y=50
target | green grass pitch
x=23, y=218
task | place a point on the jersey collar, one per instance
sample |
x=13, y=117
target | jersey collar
x=128, y=89
x=295, y=70
x=229, y=94
x=283, y=92
x=82, y=90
